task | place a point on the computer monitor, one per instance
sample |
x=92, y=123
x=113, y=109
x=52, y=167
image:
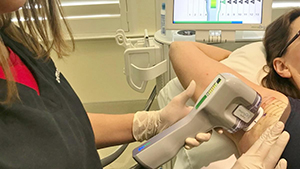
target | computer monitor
x=222, y=17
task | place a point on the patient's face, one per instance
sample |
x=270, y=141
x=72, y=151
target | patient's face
x=292, y=56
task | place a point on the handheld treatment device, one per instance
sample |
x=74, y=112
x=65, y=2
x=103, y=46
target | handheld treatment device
x=227, y=102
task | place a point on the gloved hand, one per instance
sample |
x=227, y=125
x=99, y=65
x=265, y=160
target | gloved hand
x=266, y=151
x=147, y=124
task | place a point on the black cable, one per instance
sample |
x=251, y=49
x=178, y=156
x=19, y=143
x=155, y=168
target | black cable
x=150, y=99
x=112, y=157
x=137, y=166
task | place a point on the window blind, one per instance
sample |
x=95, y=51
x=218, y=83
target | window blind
x=90, y=19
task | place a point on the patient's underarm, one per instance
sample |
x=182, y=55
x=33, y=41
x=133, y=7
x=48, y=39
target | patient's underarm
x=273, y=111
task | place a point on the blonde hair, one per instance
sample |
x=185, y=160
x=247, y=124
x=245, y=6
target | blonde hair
x=39, y=29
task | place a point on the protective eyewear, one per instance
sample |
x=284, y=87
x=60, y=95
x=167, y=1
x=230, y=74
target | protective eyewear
x=289, y=43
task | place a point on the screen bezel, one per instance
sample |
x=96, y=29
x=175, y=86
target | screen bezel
x=266, y=19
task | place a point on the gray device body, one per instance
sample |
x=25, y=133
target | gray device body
x=227, y=102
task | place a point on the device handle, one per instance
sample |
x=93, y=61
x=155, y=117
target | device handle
x=167, y=144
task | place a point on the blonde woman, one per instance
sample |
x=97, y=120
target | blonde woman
x=42, y=122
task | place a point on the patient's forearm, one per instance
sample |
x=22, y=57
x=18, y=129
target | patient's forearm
x=213, y=52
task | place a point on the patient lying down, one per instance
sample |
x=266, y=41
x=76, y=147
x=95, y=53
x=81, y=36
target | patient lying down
x=280, y=89
x=275, y=105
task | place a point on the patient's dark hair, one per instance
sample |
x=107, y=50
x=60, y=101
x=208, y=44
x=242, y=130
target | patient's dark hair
x=277, y=36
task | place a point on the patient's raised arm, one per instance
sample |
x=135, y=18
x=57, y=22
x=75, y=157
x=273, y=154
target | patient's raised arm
x=193, y=63
x=200, y=62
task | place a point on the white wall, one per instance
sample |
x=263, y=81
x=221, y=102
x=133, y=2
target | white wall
x=95, y=69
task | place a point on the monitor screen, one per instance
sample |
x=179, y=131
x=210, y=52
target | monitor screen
x=218, y=14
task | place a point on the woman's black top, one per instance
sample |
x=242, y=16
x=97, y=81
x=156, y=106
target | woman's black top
x=47, y=131
x=292, y=125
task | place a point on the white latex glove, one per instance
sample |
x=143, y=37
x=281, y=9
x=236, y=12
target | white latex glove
x=147, y=124
x=266, y=151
